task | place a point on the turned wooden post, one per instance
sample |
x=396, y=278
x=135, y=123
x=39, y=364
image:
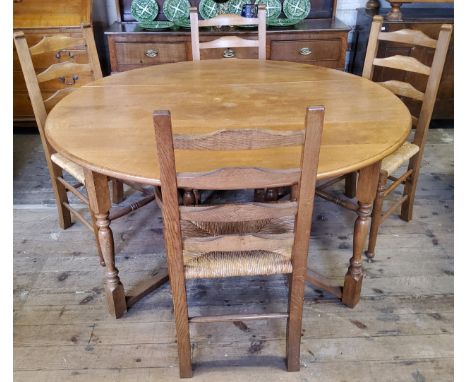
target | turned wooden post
x=373, y=4
x=100, y=204
x=366, y=190
x=395, y=13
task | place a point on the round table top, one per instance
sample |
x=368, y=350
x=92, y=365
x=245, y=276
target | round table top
x=107, y=126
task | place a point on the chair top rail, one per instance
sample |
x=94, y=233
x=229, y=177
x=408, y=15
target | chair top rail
x=227, y=19
x=56, y=43
x=241, y=139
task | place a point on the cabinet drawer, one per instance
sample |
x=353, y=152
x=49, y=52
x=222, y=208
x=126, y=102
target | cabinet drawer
x=306, y=50
x=128, y=53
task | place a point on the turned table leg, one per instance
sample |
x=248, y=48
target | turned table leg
x=366, y=190
x=100, y=204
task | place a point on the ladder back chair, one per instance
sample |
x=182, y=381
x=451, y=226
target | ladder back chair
x=409, y=153
x=69, y=72
x=228, y=41
x=238, y=239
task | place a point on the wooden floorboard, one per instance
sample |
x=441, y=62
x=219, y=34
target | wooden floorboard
x=402, y=330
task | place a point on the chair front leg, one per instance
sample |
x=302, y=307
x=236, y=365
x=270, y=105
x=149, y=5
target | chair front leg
x=376, y=215
x=60, y=194
x=366, y=190
x=117, y=191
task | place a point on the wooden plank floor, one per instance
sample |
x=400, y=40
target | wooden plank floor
x=402, y=330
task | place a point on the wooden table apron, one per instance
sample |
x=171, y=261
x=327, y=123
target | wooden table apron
x=106, y=127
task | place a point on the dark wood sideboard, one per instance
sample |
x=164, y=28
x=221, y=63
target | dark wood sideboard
x=320, y=39
x=428, y=20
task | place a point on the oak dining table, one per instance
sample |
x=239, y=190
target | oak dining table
x=106, y=127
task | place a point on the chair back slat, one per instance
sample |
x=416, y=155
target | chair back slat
x=409, y=36
x=228, y=41
x=51, y=101
x=277, y=242
x=237, y=178
x=409, y=64
x=56, y=43
x=403, y=89
x=238, y=212
x=63, y=69
x=241, y=139
x=228, y=19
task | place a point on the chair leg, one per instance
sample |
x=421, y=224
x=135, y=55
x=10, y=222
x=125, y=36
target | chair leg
x=117, y=191
x=61, y=196
x=294, y=325
x=410, y=188
x=351, y=185
x=376, y=216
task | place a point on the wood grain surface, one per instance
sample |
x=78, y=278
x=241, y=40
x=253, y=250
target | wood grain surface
x=106, y=126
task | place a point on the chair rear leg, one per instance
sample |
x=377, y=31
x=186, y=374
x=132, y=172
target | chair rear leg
x=376, y=216
x=179, y=299
x=60, y=194
x=410, y=188
x=351, y=185
x=294, y=324
x=117, y=191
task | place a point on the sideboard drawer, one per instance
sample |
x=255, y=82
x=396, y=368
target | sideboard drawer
x=306, y=50
x=213, y=54
x=129, y=53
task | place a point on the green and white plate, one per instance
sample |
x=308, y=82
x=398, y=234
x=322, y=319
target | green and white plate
x=176, y=9
x=296, y=9
x=208, y=9
x=183, y=23
x=282, y=22
x=273, y=8
x=144, y=10
x=156, y=25
x=235, y=6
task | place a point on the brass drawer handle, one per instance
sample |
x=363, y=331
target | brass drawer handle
x=305, y=51
x=70, y=82
x=151, y=53
x=229, y=53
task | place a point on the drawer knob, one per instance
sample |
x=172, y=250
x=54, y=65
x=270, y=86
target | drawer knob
x=305, y=51
x=229, y=53
x=151, y=53
x=69, y=82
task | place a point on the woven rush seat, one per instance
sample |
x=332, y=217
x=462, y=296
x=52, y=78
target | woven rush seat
x=211, y=264
x=394, y=161
x=69, y=166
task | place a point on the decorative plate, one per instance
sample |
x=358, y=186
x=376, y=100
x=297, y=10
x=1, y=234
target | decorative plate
x=208, y=9
x=156, y=25
x=273, y=8
x=183, y=23
x=296, y=9
x=235, y=6
x=144, y=10
x=282, y=22
x=176, y=9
